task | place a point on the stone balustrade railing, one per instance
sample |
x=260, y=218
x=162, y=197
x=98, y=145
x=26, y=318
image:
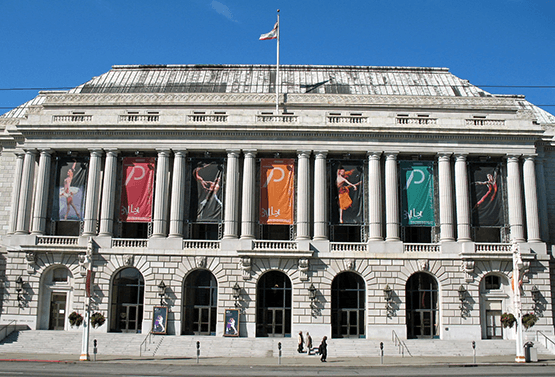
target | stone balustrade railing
x=415, y=120
x=485, y=122
x=129, y=243
x=493, y=248
x=201, y=245
x=274, y=245
x=207, y=118
x=71, y=118
x=348, y=246
x=139, y=118
x=347, y=119
x=421, y=248
x=57, y=240
x=270, y=118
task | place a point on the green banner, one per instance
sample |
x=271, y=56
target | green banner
x=417, y=193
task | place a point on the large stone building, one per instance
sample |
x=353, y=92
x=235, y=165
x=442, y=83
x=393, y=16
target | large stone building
x=369, y=200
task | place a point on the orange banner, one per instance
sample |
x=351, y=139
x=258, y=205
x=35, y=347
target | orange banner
x=276, y=191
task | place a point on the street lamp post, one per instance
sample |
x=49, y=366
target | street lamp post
x=88, y=287
x=517, y=266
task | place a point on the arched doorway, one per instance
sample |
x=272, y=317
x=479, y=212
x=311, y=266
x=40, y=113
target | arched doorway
x=494, y=300
x=56, y=292
x=126, y=311
x=200, y=304
x=348, y=297
x=422, y=306
x=273, y=305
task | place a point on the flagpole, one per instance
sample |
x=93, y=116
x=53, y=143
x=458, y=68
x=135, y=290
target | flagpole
x=277, y=65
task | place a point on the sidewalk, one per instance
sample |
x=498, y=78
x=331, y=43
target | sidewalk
x=417, y=361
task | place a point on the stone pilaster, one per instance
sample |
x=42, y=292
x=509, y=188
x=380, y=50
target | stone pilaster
x=515, y=199
x=531, y=200
x=160, y=218
x=177, y=211
x=391, y=198
x=25, y=195
x=303, y=202
x=41, y=192
x=462, y=198
x=446, y=220
x=108, y=194
x=248, y=214
x=375, y=196
x=320, y=199
x=12, y=224
x=231, y=195
x=91, y=201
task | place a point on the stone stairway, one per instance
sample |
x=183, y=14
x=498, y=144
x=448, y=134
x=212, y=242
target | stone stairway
x=62, y=342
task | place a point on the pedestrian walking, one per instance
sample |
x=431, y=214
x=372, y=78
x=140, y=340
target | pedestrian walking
x=308, y=343
x=323, y=349
x=301, y=342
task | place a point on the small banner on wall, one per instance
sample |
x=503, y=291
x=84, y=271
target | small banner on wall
x=137, y=189
x=231, y=322
x=417, y=193
x=71, y=183
x=160, y=320
x=276, y=191
x=485, y=195
x=347, y=192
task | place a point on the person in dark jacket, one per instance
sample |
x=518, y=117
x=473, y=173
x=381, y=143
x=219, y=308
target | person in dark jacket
x=323, y=349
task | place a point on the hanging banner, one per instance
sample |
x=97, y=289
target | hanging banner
x=276, y=191
x=72, y=179
x=417, y=193
x=347, y=192
x=485, y=195
x=206, y=188
x=137, y=188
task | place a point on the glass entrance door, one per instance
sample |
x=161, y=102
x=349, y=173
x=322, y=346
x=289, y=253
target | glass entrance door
x=273, y=301
x=347, y=306
x=129, y=315
x=494, y=329
x=57, y=311
x=422, y=306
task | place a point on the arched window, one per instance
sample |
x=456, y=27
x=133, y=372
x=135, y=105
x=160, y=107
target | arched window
x=126, y=311
x=200, y=304
x=348, y=298
x=422, y=306
x=273, y=305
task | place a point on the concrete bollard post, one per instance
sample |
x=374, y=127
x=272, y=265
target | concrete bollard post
x=474, y=351
x=279, y=353
x=381, y=352
x=198, y=352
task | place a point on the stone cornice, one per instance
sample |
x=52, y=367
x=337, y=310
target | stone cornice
x=317, y=100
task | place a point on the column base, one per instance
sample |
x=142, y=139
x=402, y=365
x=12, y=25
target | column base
x=84, y=357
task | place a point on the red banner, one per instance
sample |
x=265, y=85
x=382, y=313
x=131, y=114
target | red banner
x=276, y=191
x=88, y=283
x=136, y=193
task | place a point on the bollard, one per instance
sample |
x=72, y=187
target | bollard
x=381, y=352
x=94, y=349
x=474, y=351
x=198, y=351
x=279, y=353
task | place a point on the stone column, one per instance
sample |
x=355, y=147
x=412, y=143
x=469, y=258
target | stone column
x=542, y=200
x=93, y=193
x=12, y=224
x=177, y=211
x=320, y=198
x=303, y=203
x=108, y=194
x=41, y=192
x=375, y=197
x=462, y=198
x=160, y=218
x=231, y=195
x=515, y=199
x=447, y=231
x=391, y=198
x=531, y=200
x=25, y=195
x=248, y=214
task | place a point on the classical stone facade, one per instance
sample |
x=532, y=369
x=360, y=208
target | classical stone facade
x=354, y=259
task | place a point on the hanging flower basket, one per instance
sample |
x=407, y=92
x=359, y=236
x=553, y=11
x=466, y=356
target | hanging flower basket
x=97, y=320
x=508, y=320
x=75, y=319
x=529, y=320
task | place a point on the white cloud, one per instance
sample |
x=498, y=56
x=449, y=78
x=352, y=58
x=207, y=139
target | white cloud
x=223, y=10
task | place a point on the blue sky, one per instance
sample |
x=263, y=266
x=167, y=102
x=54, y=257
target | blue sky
x=64, y=43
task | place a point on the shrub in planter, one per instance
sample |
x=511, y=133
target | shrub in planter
x=75, y=319
x=529, y=320
x=508, y=320
x=97, y=320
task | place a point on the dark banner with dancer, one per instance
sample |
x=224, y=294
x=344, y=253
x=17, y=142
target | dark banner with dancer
x=276, y=191
x=69, y=198
x=485, y=195
x=137, y=188
x=347, y=192
x=417, y=193
x=206, y=187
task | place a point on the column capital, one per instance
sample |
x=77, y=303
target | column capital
x=512, y=157
x=180, y=151
x=96, y=152
x=391, y=155
x=374, y=155
x=303, y=153
x=250, y=152
x=320, y=154
x=46, y=151
x=461, y=156
x=530, y=156
x=163, y=151
x=233, y=152
x=442, y=156
x=30, y=151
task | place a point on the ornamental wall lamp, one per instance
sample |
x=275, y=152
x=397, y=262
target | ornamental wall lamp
x=236, y=294
x=19, y=289
x=312, y=295
x=536, y=294
x=388, y=296
x=162, y=291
